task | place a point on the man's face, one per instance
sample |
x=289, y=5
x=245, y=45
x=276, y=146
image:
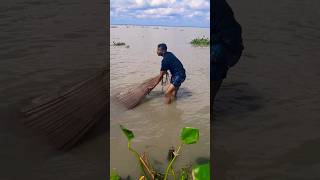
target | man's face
x=159, y=51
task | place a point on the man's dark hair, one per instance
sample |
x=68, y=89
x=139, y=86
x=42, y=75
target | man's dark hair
x=162, y=46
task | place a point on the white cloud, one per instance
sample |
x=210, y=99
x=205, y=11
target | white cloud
x=149, y=3
x=171, y=12
x=161, y=8
x=164, y=11
x=161, y=2
x=140, y=2
x=208, y=16
x=198, y=4
x=195, y=13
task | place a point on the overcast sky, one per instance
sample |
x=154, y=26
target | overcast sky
x=161, y=12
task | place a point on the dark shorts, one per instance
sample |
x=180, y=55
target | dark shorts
x=177, y=80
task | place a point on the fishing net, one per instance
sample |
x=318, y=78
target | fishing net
x=164, y=81
x=67, y=117
x=133, y=96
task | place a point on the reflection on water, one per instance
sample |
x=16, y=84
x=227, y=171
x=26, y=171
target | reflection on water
x=155, y=124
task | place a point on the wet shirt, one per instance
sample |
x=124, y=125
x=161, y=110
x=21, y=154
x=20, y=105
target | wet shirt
x=172, y=63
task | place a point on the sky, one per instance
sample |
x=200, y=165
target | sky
x=194, y=13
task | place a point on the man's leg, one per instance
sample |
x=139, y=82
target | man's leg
x=169, y=95
x=176, y=92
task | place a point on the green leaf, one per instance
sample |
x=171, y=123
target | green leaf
x=201, y=172
x=114, y=175
x=189, y=135
x=127, y=132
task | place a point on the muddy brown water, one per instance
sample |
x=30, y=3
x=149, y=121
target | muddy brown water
x=267, y=113
x=45, y=49
x=156, y=125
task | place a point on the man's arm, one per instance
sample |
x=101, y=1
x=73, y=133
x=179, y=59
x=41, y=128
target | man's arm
x=161, y=75
x=160, y=78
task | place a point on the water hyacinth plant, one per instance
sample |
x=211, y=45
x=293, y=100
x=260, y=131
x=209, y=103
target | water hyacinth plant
x=201, y=172
x=114, y=175
x=202, y=42
x=129, y=134
x=188, y=135
x=118, y=43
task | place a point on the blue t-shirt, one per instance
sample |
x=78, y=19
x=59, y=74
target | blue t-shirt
x=172, y=63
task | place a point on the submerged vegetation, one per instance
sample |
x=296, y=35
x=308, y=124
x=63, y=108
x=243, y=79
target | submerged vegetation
x=202, y=42
x=188, y=135
x=120, y=44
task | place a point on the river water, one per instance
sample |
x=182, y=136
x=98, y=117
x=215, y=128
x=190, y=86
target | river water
x=47, y=46
x=267, y=113
x=156, y=125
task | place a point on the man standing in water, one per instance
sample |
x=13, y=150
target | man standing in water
x=178, y=74
x=227, y=47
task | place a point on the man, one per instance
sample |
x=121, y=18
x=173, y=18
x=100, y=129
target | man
x=178, y=74
x=227, y=45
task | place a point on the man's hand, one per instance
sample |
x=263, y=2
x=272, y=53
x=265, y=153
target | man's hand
x=150, y=88
x=161, y=75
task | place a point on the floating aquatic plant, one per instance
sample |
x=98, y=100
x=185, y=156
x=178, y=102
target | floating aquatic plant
x=114, y=175
x=129, y=134
x=184, y=174
x=188, y=135
x=201, y=172
x=202, y=42
x=119, y=43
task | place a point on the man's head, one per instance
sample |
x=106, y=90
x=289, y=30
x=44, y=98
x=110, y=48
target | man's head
x=162, y=48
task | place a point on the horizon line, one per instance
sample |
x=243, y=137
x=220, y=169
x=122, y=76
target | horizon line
x=160, y=25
